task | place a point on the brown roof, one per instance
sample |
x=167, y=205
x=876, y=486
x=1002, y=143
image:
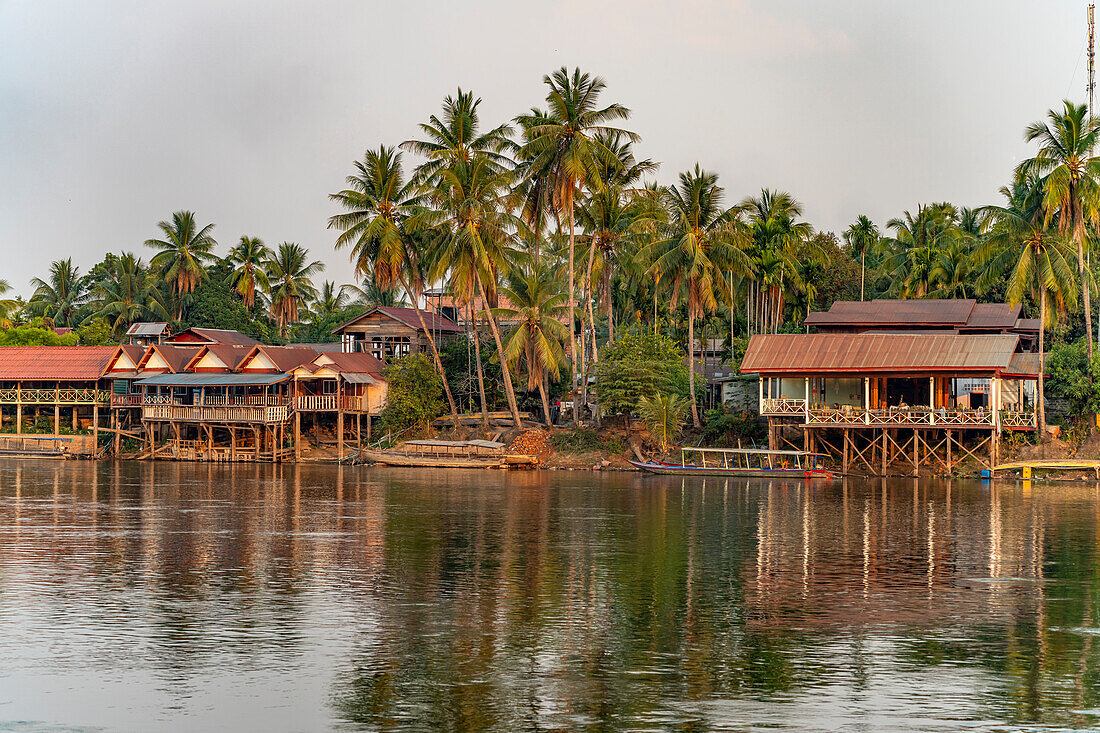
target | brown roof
x=229, y=354
x=993, y=315
x=1023, y=365
x=1028, y=324
x=212, y=336
x=285, y=358
x=54, y=363
x=894, y=312
x=356, y=362
x=433, y=321
x=175, y=355
x=817, y=353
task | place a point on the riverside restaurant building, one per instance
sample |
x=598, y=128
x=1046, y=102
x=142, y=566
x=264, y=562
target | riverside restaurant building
x=891, y=385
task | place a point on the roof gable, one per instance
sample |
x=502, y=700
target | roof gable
x=407, y=317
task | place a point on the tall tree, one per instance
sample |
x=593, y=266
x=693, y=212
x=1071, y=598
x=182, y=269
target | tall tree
x=290, y=282
x=914, y=249
x=61, y=295
x=128, y=293
x=563, y=147
x=184, y=253
x=8, y=306
x=1035, y=260
x=862, y=236
x=537, y=307
x=248, y=259
x=471, y=229
x=777, y=238
x=331, y=299
x=700, y=240
x=1070, y=179
x=456, y=137
x=376, y=204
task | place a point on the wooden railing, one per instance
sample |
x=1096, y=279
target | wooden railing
x=126, y=400
x=782, y=406
x=329, y=403
x=907, y=417
x=1015, y=419
x=62, y=396
x=259, y=400
x=207, y=413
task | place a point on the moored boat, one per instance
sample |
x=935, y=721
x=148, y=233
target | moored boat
x=748, y=462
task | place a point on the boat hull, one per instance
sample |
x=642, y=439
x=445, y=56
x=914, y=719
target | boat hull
x=671, y=469
x=430, y=461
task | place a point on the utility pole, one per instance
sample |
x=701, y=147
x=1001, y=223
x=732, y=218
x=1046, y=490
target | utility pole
x=1092, y=56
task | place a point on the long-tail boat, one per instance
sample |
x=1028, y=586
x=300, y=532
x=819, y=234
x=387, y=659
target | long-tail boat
x=742, y=462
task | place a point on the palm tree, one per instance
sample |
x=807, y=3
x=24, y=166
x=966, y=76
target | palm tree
x=699, y=242
x=248, y=275
x=369, y=295
x=8, y=306
x=331, y=299
x=1036, y=261
x=456, y=137
x=471, y=227
x=539, y=310
x=290, y=283
x=914, y=250
x=862, y=236
x=777, y=238
x=184, y=253
x=61, y=295
x=376, y=204
x=564, y=148
x=129, y=293
x=1070, y=180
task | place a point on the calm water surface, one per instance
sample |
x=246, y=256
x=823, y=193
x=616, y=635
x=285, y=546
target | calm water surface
x=194, y=597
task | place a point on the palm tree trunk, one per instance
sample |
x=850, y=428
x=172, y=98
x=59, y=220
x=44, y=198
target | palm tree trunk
x=435, y=352
x=1085, y=293
x=1040, y=405
x=572, y=336
x=504, y=370
x=590, y=298
x=610, y=319
x=862, y=271
x=691, y=370
x=480, y=375
x=545, y=402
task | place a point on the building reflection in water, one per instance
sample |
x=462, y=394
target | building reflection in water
x=303, y=596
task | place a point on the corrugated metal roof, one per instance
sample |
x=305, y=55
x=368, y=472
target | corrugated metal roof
x=818, y=353
x=211, y=379
x=356, y=378
x=285, y=358
x=146, y=329
x=212, y=336
x=993, y=315
x=356, y=362
x=1023, y=365
x=885, y=311
x=1028, y=324
x=54, y=363
x=433, y=321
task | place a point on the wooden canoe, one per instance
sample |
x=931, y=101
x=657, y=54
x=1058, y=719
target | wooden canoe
x=390, y=458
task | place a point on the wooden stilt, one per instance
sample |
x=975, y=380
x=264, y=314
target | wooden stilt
x=339, y=434
x=232, y=443
x=95, y=426
x=56, y=417
x=358, y=433
x=916, y=453
x=297, y=436
x=949, y=465
x=845, y=459
x=884, y=451
x=118, y=436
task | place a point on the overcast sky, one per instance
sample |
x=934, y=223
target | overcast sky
x=114, y=115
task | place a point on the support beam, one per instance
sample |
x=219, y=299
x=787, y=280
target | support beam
x=297, y=436
x=844, y=464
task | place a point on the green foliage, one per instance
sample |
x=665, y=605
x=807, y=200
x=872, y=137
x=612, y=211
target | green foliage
x=724, y=427
x=414, y=395
x=35, y=334
x=638, y=364
x=214, y=304
x=664, y=417
x=586, y=440
x=1068, y=374
x=96, y=332
x=457, y=355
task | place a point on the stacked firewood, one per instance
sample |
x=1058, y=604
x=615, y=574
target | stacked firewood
x=533, y=442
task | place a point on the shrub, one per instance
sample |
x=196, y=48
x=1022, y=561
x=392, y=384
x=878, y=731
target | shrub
x=585, y=440
x=664, y=417
x=414, y=394
x=724, y=427
x=639, y=364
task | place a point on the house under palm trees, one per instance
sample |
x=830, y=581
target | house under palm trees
x=917, y=382
x=387, y=332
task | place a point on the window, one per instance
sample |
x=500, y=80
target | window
x=328, y=386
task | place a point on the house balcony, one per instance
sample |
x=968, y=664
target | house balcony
x=266, y=414
x=330, y=403
x=61, y=396
x=779, y=406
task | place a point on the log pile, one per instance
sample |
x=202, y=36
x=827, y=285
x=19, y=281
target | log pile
x=534, y=442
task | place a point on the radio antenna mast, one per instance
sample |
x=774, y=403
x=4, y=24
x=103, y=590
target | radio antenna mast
x=1092, y=56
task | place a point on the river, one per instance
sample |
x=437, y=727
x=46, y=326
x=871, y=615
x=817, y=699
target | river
x=146, y=597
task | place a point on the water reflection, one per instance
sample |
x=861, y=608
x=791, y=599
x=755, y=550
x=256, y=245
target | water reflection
x=146, y=596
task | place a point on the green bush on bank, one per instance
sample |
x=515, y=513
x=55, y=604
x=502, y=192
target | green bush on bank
x=414, y=396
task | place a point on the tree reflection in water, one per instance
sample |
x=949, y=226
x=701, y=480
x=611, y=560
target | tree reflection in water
x=305, y=597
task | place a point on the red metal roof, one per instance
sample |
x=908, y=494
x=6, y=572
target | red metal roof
x=356, y=362
x=228, y=354
x=894, y=312
x=212, y=336
x=175, y=355
x=54, y=363
x=993, y=315
x=818, y=353
x=433, y=321
x=285, y=358
x=1023, y=365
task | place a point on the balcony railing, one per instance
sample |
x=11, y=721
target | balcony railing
x=62, y=396
x=1016, y=420
x=782, y=406
x=126, y=400
x=944, y=417
x=207, y=413
x=329, y=403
